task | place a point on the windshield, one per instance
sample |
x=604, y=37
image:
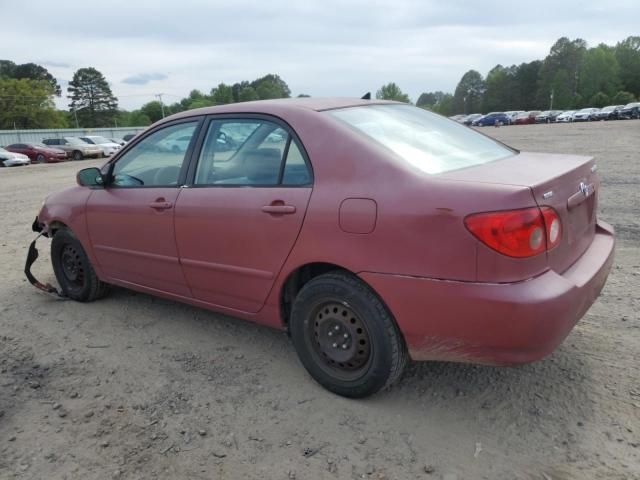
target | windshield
x=607, y=109
x=427, y=141
x=631, y=105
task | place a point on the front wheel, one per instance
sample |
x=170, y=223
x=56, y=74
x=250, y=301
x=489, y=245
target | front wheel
x=345, y=337
x=40, y=158
x=77, y=155
x=73, y=269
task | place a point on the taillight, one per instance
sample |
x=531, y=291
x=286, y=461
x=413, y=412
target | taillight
x=517, y=233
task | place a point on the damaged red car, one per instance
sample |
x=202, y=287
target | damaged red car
x=371, y=231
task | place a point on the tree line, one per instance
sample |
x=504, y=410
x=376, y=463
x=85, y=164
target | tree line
x=572, y=75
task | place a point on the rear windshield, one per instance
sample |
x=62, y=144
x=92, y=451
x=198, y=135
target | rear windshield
x=432, y=143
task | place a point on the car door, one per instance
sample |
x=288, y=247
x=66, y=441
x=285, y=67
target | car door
x=130, y=221
x=241, y=215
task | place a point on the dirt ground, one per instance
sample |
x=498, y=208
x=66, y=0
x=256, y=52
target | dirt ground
x=137, y=387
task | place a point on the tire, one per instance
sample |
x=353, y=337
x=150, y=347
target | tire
x=77, y=155
x=40, y=158
x=73, y=269
x=370, y=354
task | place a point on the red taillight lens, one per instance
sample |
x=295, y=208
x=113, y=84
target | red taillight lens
x=517, y=233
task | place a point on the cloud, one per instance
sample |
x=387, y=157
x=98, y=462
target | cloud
x=51, y=63
x=319, y=47
x=144, y=78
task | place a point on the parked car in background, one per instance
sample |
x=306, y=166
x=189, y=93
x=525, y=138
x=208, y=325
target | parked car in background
x=631, y=110
x=469, y=119
x=457, y=118
x=512, y=114
x=108, y=147
x=75, y=148
x=565, y=117
x=526, y=118
x=293, y=243
x=491, y=119
x=39, y=152
x=585, y=115
x=12, y=159
x=129, y=136
x=608, y=113
x=548, y=116
x=119, y=141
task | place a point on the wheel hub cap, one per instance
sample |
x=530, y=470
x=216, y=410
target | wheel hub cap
x=340, y=336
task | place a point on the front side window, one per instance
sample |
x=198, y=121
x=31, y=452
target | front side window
x=425, y=140
x=250, y=152
x=154, y=162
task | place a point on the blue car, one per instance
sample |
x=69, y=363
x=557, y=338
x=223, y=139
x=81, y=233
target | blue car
x=490, y=119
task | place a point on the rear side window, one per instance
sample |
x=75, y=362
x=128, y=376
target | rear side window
x=427, y=141
x=250, y=152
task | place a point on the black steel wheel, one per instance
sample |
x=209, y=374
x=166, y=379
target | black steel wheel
x=39, y=158
x=345, y=336
x=73, y=269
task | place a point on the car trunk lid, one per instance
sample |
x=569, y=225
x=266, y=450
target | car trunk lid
x=567, y=183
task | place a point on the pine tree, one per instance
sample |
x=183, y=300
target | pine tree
x=91, y=99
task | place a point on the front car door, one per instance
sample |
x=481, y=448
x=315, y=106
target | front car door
x=131, y=219
x=243, y=210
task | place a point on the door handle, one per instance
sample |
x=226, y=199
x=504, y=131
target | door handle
x=161, y=204
x=279, y=209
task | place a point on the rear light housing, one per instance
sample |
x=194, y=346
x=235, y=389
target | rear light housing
x=517, y=233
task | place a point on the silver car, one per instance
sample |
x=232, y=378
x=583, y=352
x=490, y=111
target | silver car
x=12, y=159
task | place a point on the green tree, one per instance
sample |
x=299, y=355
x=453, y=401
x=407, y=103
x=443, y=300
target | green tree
x=467, y=97
x=7, y=69
x=501, y=92
x=628, y=55
x=33, y=71
x=91, y=98
x=222, y=94
x=152, y=110
x=526, y=85
x=600, y=100
x=444, y=105
x=622, y=98
x=247, y=94
x=391, y=91
x=303, y=95
x=560, y=72
x=26, y=103
x=600, y=72
x=271, y=86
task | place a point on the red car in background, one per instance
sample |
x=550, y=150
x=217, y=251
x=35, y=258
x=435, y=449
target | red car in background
x=39, y=152
x=370, y=231
x=526, y=118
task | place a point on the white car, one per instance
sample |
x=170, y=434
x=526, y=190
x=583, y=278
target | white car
x=585, y=115
x=512, y=114
x=108, y=147
x=11, y=159
x=565, y=117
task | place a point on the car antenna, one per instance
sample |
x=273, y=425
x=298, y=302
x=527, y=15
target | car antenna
x=366, y=96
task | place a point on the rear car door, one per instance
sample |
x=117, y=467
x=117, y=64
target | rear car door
x=131, y=219
x=241, y=215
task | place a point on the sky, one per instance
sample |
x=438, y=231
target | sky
x=320, y=48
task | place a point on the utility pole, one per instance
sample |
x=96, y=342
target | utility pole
x=551, y=100
x=159, y=95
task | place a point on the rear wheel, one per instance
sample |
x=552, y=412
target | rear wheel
x=73, y=269
x=345, y=337
x=77, y=155
x=40, y=158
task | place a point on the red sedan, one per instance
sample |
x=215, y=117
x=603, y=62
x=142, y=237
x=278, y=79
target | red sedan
x=38, y=152
x=526, y=118
x=370, y=231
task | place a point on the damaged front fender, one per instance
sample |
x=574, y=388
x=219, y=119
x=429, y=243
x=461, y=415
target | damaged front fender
x=32, y=256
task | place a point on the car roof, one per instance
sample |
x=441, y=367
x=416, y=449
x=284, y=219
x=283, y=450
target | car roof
x=282, y=105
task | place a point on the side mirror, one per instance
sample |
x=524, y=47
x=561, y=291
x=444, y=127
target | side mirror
x=90, y=177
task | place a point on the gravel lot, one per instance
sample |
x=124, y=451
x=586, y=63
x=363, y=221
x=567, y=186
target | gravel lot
x=137, y=387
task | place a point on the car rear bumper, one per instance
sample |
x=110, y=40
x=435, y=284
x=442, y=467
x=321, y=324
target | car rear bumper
x=499, y=324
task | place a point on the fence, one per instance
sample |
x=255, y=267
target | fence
x=7, y=137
